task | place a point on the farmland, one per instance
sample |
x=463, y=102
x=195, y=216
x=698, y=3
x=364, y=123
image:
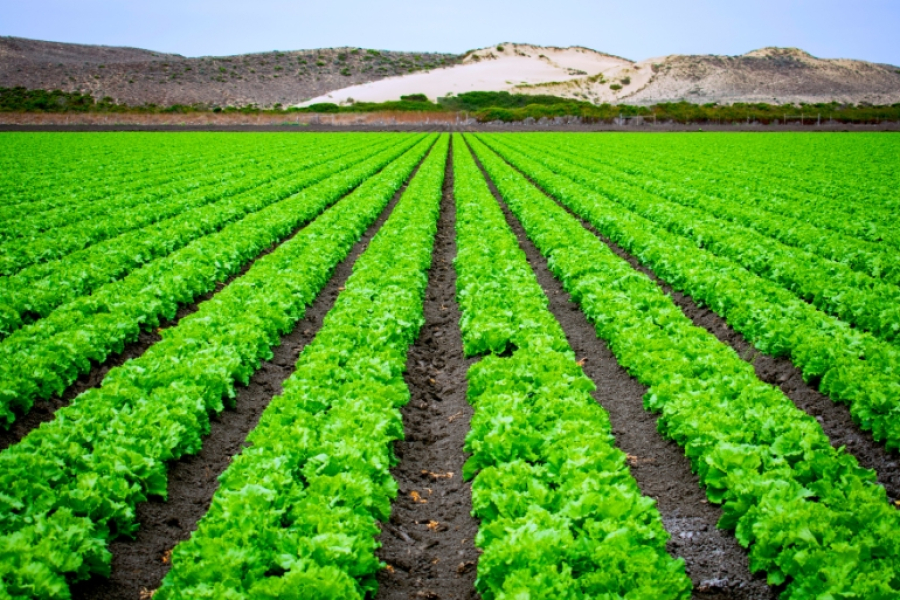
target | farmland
x=422, y=365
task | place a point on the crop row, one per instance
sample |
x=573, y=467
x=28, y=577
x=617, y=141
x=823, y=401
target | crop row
x=30, y=223
x=823, y=200
x=37, y=290
x=738, y=206
x=72, y=485
x=44, y=358
x=850, y=366
x=295, y=514
x=863, y=301
x=561, y=515
x=39, y=167
x=811, y=517
x=89, y=168
x=169, y=200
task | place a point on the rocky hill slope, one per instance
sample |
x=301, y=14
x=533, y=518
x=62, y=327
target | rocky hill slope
x=137, y=76
x=341, y=75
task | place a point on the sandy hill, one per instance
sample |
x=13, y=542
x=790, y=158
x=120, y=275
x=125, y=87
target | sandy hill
x=139, y=76
x=775, y=75
x=342, y=75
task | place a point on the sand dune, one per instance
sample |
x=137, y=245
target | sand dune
x=511, y=67
x=777, y=75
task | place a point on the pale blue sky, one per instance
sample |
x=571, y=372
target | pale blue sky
x=864, y=29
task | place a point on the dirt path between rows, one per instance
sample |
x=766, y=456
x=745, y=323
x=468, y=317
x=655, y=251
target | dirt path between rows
x=428, y=542
x=715, y=562
x=139, y=565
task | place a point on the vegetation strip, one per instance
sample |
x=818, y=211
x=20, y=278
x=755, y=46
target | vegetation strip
x=428, y=543
x=35, y=291
x=835, y=419
x=61, y=241
x=560, y=514
x=217, y=168
x=849, y=365
x=71, y=485
x=138, y=565
x=866, y=302
x=739, y=206
x=658, y=465
x=88, y=173
x=43, y=358
x=297, y=510
x=811, y=517
x=863, y=207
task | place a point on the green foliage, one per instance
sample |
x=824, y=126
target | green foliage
x=806, y=511
x=71, y=485
x=615, y=87
x=299, y=507
x=473, y=101
x=324, y=107
x=22, y=99
x=415, y=98
x=550, y=487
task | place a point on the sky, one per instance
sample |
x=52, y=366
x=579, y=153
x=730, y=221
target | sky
x=862, y=29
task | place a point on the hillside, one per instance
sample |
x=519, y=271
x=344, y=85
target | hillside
x=344, y=75
x=774, y=75
x=137, y=76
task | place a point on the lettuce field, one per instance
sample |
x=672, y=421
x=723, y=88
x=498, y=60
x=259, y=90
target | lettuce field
x=506, y=366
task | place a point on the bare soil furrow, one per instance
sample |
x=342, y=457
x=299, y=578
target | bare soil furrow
x=429, y=541
x=139, y=565
x=716, y=563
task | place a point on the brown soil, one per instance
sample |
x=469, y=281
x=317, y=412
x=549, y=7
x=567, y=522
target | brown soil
x=715, y=562
x=139, y=565
x=429, y=543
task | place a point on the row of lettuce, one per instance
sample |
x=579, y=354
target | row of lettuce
x=295, y=515
x=61, y=231
x=296, y=512
x=850, y=365
x=866, y=302
x=561, y=515
x=71, y=485
x=813, y=520
x=44, y=171
x=44, y=357
x=35, y=291
x=841, y=184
